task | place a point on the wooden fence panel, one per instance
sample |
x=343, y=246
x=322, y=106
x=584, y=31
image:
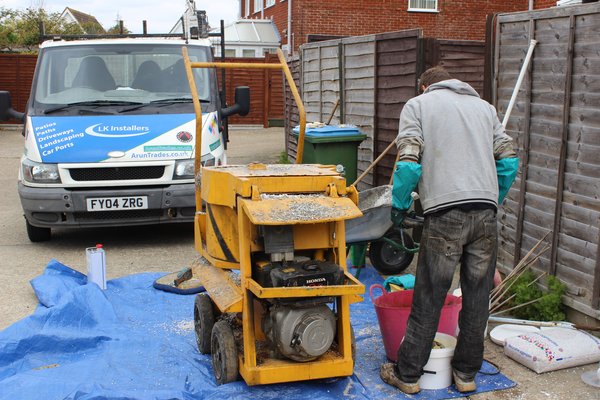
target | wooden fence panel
x=266, y=91
x=556, y=126
x=379, y=75
x=16, y=75
x=398, y=66
x=292, y=117
x=359, y=98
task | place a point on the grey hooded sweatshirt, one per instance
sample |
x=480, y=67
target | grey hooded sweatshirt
x=456, y=136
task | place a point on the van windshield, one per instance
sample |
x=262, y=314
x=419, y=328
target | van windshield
x=120, y=75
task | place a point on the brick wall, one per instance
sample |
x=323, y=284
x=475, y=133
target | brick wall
x=455, y=19
x=544, y=4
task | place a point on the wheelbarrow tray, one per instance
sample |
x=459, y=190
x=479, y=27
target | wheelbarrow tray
x=376, y=206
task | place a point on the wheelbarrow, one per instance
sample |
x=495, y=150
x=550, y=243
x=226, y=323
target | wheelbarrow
x=390, y=247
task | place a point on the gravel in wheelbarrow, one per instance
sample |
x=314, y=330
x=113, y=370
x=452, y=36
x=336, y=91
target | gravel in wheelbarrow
x=376, y=206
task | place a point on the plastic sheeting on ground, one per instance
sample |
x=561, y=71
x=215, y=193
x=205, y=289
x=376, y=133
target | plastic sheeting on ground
x=132, y=341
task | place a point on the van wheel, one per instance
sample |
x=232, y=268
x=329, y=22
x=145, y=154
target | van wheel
x=37, y=234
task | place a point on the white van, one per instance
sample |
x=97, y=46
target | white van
x=110, y=132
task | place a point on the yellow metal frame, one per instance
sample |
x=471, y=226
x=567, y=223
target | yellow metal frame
x=240, y=189
x=282, y=65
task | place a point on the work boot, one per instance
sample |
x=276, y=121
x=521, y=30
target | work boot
x=389, y=376
x=463, y=385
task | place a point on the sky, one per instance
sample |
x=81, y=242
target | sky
x=161, y=15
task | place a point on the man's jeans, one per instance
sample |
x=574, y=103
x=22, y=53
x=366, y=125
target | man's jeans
x=468, y=238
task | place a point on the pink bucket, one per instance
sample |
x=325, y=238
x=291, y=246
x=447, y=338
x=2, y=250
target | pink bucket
x=392, y=313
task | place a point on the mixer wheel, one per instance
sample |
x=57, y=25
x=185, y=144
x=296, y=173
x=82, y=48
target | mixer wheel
x=204, y=320
x=224, y=353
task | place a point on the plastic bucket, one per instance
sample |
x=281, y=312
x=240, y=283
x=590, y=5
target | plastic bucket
x=392, y=313
x=438, y=370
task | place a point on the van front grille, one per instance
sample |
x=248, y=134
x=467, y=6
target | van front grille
x=107, y=215
x=117, y=173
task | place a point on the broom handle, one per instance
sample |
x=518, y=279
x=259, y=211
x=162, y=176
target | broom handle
x=394, y=168
x=370, y=167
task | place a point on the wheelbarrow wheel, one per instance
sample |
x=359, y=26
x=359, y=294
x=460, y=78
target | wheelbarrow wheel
x=386, y=258
x=204, y=320
x=224, y=353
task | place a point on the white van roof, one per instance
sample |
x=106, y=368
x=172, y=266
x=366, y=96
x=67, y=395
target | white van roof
x=99, y=42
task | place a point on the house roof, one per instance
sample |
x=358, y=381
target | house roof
x=83, y=19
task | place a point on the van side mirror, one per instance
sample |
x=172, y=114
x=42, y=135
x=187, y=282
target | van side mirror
x=242, y=103
x=6, y=110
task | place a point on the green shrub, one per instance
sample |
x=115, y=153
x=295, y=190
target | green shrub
x=547, y=305
x=283, y=158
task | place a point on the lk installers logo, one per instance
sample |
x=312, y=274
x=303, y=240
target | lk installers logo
x=116, y=131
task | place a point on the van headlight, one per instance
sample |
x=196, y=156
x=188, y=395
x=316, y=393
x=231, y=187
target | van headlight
x=184, y=169
x=39, y=172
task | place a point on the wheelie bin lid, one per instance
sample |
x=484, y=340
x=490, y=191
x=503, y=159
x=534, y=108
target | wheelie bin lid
x=343, y=132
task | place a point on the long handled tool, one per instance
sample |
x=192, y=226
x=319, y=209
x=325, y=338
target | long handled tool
x=374, y=163
x=513, y=98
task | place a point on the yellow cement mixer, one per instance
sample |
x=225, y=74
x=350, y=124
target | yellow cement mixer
x=285, y=315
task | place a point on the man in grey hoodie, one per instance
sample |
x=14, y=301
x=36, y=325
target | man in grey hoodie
x=452, y=140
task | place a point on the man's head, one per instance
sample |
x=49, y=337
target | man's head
x=433, y=75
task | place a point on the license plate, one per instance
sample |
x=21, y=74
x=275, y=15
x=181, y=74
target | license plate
x=117, y=203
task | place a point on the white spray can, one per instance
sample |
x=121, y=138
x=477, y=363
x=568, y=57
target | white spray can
x=96, y=265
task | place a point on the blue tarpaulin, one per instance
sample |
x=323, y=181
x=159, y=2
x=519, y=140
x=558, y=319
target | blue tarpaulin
x=132, y=341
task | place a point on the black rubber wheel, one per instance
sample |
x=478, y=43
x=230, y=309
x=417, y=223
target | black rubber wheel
x=387, y=259
x=37, y=234
x=204, y=320
x=224, y=353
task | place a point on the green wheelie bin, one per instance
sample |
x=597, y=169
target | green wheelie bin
x=332, y=145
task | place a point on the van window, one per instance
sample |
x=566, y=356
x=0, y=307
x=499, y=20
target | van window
x=137, y=73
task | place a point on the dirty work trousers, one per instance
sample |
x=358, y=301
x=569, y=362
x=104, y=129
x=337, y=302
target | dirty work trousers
x=468, y=239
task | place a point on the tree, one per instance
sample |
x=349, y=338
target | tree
x=8, y=36
x=21, y=29
x=116, y=29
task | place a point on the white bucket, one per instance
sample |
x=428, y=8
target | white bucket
x=438, y=371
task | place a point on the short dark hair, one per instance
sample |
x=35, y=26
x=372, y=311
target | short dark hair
x=434, y=75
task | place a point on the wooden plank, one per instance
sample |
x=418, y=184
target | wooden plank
x=396, y=58
x=585, y=232
x=408, y=71
x=583, y=101
x=358, y=73
x=576, y=280
x=361, y=61
x=582, y=201
x=342, y=82
x=583, y=83
x=524, y=175
x=360, y=95
x=359, y=109
x=582, y=185
x=569, y=255
x=584, y=170
x=358, y=49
